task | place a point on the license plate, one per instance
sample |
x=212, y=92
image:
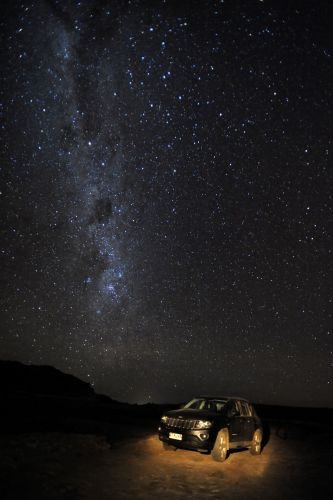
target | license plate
x=174, y=435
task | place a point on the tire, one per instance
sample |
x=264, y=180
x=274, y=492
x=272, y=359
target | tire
x=220, y=449
x=255, y=448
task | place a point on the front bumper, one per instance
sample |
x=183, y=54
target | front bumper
x=199, y=440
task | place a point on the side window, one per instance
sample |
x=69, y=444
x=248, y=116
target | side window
x=238, y=407
x=249, y=410
x=211, y=406
x=219, y=406
x=245, y=409
x=232, y=409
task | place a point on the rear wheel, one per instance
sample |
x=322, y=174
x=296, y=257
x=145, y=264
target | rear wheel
x=255, y=448
x=220, y=450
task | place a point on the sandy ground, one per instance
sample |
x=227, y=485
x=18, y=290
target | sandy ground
x=74, y=466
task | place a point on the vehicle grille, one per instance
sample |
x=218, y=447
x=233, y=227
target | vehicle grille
x=181, y=423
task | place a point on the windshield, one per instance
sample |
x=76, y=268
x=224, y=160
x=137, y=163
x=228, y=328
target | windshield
x=206, y=404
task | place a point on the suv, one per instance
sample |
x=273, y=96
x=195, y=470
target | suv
x=212, y=424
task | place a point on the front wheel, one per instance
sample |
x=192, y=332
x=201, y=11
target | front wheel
x=220, y=450
x=255, y=448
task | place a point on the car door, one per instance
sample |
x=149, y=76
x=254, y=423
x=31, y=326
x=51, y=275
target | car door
x=235, y=422
x=248, y=422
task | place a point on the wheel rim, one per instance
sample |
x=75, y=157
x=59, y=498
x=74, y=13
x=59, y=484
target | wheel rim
x=257, y=441
x=223, y=448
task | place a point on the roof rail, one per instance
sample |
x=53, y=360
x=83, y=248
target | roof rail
x=213, y=396
x=239, y=397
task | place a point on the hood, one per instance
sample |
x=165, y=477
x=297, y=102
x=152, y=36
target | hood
x=189, y=413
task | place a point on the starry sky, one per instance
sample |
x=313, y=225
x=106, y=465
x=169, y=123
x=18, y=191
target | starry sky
x=166, y=196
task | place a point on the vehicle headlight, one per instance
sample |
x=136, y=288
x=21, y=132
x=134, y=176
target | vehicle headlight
x=164, y=419
x=204, y=424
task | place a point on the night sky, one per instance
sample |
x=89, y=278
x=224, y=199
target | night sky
x=166, y=196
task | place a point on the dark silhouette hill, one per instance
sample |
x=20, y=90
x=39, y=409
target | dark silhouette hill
x=17, y=377
x=42, y=397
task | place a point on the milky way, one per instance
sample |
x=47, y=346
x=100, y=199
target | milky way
x=166, y=196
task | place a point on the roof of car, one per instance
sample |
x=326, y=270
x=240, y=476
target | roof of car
x=226, y=398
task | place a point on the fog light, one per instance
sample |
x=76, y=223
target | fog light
x=204, y=436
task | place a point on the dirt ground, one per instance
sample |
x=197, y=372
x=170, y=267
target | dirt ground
x=54, y=466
